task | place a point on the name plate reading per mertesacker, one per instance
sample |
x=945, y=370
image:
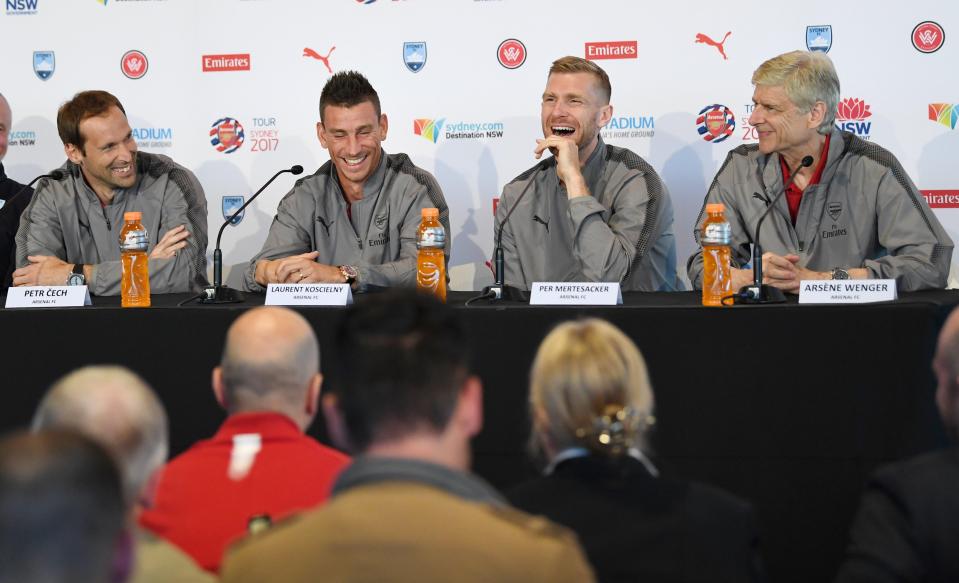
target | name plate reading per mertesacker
x=52, y=296
x=308, y=294
x=548, y=293
x=847, y=291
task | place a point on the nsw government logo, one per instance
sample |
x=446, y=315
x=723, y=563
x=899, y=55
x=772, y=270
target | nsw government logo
x=944, y=113
x=511, y=53
x=226, y=135
x=928, y=37
x=231, y=204
x=619, y=49
x=819, y=38
x=44, y=64
x=629, y=126
x=716, y=123
x=414, y=56
x=851, y=116
x=134, y=64
x=21, y=7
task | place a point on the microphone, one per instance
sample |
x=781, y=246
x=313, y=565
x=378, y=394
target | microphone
x=757, y=293
x=495, y=291
x=54, y=174
x=219, y=293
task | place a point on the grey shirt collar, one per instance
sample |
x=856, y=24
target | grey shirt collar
x=374, y=470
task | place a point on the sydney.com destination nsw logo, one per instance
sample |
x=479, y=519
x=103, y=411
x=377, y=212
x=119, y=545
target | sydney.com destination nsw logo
x=433, y=129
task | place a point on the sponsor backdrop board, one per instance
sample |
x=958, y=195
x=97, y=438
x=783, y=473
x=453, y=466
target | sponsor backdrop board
x=229, y=88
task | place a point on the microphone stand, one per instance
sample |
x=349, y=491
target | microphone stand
x=219, y=293
x=758, y=292
x=495, y=291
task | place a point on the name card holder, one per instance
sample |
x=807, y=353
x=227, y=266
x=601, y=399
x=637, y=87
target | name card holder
x=308, y=294
x=550, y=293
x=49, y=296
x=847, y=291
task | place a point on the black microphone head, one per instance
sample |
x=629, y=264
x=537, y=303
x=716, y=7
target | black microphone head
x=807, y=161
x=297, y=169
x=56, y=174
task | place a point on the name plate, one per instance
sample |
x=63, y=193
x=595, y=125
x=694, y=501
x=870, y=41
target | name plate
x=549, y=293
x=48, y=296
x=308, y=294
x=847, y=291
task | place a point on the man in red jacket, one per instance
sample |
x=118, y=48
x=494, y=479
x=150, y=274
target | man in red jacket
x=259, y=467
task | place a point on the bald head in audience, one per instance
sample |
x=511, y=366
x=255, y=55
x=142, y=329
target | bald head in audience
x=119, y=410
x=946, y=366
x=270, y=362
x=61, y=509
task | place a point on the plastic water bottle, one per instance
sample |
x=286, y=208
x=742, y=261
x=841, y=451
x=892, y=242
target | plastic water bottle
x=717, y=274
x=430, y=260
x=135, y=273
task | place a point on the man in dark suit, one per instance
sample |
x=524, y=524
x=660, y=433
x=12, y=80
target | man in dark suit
x=12, y=205
x=907, y=528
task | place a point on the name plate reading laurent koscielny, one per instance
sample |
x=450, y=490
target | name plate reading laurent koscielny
x=550, y=293
x=308, y=294
x=52, y=296
x=847, y=291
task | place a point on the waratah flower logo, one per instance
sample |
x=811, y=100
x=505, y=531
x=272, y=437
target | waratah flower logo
x=853, y=108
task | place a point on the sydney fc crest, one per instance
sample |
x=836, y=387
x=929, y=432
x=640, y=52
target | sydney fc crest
x=230, y=205
x=414, y=56
x=819, y=38
x=44, y=64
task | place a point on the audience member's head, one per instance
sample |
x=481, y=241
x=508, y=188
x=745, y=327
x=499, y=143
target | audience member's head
x=405, y=384
x=116, y=408
x=62, y=512
x=946, y=367
x=270, y=362
x=589, y=388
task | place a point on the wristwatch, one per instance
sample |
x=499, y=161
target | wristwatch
x=348, y=272
x=76, y=277
x=840, y=273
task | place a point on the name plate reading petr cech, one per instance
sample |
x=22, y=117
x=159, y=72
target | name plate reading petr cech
x=48, y=296
x=548, y=293
x=308, y=294
x=847, y=291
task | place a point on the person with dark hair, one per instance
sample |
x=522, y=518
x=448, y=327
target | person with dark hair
x=117, y=409
x=259, y=467
x=68, y=234
x=11, y=204
x=907, y=526
x=407, y=509
x=592, y=212
x=62, y=512
x=591, y=406
x=355, y=219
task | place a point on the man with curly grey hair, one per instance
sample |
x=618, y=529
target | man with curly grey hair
x=851, y=214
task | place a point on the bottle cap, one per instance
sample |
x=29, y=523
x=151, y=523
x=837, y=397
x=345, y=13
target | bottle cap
x=431, y=212
x=132, y=216
x=715, y=207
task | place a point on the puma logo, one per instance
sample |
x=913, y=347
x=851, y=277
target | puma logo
x=702, y=38
x=308, y=52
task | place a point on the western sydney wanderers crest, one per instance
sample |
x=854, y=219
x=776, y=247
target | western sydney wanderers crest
x=716, y=123
x=928, y=37
x=819, y=38
x=134, y=64
x=414, y=56
x=226, y=135
x=44, y=64
x=231, y=204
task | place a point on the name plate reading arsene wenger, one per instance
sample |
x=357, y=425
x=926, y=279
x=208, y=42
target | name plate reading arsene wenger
x=847, y=291
x=49, y=296
x=554, y=293
x=308, y=294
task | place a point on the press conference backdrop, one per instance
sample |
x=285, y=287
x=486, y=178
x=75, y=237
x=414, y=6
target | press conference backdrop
x=229, y=88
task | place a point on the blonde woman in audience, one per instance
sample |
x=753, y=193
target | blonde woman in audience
x=592, y=406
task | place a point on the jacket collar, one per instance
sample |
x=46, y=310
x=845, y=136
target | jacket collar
x=369, y=470
x=268, y=424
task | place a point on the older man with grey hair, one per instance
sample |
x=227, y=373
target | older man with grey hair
x=116, y=408
x=853, y=213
